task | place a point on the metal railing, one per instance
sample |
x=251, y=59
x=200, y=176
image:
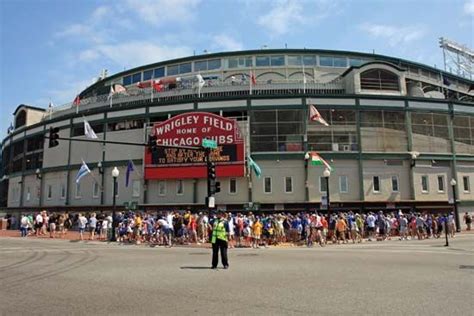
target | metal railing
x=190, y=92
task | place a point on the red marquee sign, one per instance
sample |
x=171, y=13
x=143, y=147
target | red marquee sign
x=189, y=129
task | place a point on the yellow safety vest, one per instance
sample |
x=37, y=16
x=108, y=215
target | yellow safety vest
x=218, y=231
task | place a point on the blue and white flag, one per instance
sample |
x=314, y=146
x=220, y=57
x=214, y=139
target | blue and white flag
x=129, y=170
x=82, y=172
x=253, y=165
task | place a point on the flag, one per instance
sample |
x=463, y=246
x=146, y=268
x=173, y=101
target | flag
x=77, y=101
x=315, y=116
x=50, y=109
x=201, y=84
x=88, y=131
x=82, y=172
x=145, y=84
x=129, y=170
x=252, y=81
x=120, y=89
x=317, y=160
x=111, y=93
x=157, y=86
x=253, y=165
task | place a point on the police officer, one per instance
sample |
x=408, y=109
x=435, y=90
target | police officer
x=220, y=234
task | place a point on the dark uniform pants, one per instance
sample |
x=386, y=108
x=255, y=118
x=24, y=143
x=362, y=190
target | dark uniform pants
x=222, y=245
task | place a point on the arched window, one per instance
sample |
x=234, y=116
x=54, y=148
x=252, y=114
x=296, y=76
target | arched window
x=379, y=79
x=20, y=119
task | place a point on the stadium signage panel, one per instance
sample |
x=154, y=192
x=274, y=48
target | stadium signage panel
x=189, y=129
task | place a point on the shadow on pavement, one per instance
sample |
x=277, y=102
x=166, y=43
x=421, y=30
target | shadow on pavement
x=196, y=268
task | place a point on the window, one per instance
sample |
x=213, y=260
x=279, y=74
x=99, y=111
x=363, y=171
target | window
x=127, y=80
x=340, y=135
x=185, y=68
x=159, y=72
x=213, y=64
x=233, y=186
x=356, y=62
x=125, y=125
x=383, y=131
x=267, y=185
x=424, y=184
x=294, y=60
x=78, y=190
x=179, y=187
x=28, y=194
x=95, y=190
x=136, y=188
x=440, y=183
x=288, y=185
x=331, y=61
x=465, y=184
x=343, y=186
x=63, y=191
x=147, y=75
x=431, y=132
x=240, y=62
x=161, y=187
x=137, y=77
x=323, y=184
x=277, y=130
x=173, y=70
x=50, y=192
x=200, y=65
x=379, y=79
x=376, y=184
x=277, y=60
x=261, y=61
x=394, y=184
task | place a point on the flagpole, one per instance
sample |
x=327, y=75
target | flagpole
x=152, y=88
x=304, y=76
x=251, y=82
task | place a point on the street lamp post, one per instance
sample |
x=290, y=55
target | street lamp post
x=115, y=174
x=455, y=203
x=326, y=175
x=306, y=186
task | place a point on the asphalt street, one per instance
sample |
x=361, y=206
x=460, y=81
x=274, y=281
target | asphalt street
x=39, y=277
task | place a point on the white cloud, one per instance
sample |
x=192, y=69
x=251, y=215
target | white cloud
x=138, y=53
x=282, y=16
x=469, y=7
x=226, y=43
x=158, y=12
x=88, y=55
x=101, y=12
x=394, y=35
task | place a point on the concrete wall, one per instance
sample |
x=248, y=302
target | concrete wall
x=57, y=156
x=278, y=170
x=56, y=180
x=379, y=168
x=433, y=194
x=125, y=152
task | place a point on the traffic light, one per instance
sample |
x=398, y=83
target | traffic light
x=152, y=146
x=217, y=187
x=211, y=171
x=53, y=137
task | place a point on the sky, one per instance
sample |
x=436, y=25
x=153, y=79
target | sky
x=52, y=49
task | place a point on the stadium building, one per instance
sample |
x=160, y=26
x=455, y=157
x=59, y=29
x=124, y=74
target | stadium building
x=400, y=135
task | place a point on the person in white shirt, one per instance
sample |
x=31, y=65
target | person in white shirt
x=82, y=222
x=38, y=224
x=24, y=223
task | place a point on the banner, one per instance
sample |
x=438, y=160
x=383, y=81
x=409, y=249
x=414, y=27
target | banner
x=189, y=129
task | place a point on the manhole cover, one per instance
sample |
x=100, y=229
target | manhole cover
x=247, y=255
x=466, y=267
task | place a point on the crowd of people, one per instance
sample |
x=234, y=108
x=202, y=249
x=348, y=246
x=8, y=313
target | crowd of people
x=245, y=230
